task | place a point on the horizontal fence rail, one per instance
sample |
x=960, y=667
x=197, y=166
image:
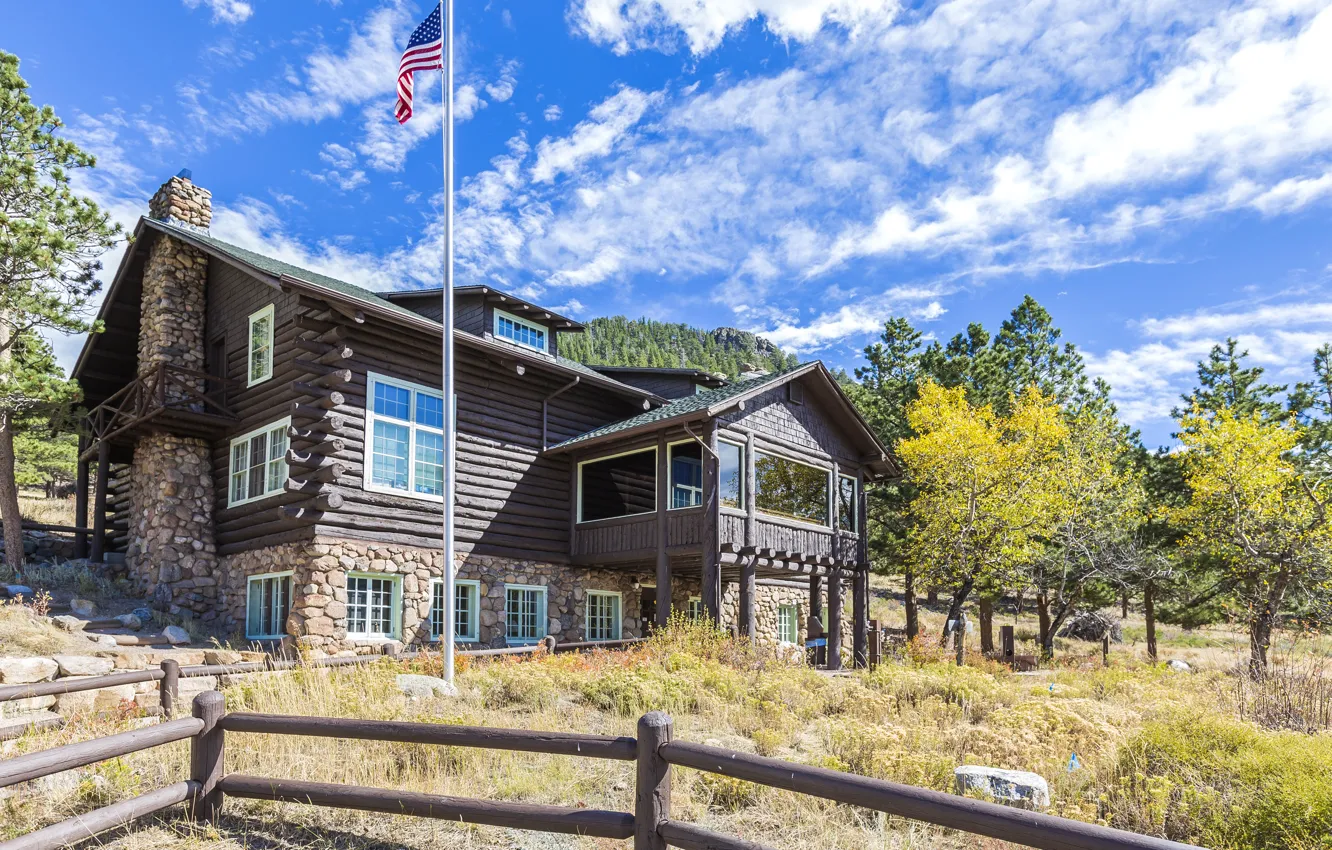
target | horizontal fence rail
x=948, y=810
x=485, y=737
x=79, y=683
x=563, y=819
x=650, y=825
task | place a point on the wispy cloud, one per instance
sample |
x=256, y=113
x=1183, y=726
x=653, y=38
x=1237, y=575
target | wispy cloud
x=224, y=11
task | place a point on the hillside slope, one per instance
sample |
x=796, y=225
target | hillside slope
x=618, y=341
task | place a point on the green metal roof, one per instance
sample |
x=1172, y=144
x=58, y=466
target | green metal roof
x=682, y=407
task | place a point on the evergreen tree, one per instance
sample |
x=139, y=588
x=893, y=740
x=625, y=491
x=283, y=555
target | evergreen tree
x=618, y=341
x=1225, y=383
x=50, y=240
x=1029, y=354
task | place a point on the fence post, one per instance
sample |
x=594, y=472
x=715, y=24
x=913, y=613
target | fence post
x=1007, y=643
x=1105, y=651
x=959, y=639
x=206, y=756
x=168, y=689
x=875, y=644
x=652, y=790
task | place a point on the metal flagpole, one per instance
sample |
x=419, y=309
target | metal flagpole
x=450, y=400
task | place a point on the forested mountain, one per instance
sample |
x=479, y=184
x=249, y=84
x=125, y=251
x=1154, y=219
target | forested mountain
x=617, y=341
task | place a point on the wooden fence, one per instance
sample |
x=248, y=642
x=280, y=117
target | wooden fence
x=650, y=825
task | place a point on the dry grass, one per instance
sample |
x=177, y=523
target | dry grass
x=912, y=721
x=36, y=507
x=23, y=633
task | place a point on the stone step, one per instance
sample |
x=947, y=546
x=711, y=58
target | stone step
x=13, y=727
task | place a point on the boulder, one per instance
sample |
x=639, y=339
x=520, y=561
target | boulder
x=1092, y=625
x=25, y=671
x=1010, y=787
x=415, y=686
x=84, y=665
x=84, y=608
x=145, y=615
x=221, y=656
x=176, y=634
x=1178, y=666
x=25, y=706
x=68, y=623
x=130, y=621
x=13, y=590
x=102, y=641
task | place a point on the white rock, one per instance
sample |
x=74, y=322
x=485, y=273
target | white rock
x=23, y=671
x=68, y=623
x=176, y=634
x=103, y=641
x=416, y=686
x=1011, y=787
x=84, y=665
x=1178, y=666
x=82, y=608
x=22, y=707
x=129, y=621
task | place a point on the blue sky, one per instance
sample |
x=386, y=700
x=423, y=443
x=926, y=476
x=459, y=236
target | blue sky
x=1158, y=174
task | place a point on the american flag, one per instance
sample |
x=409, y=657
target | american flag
x=425, y=52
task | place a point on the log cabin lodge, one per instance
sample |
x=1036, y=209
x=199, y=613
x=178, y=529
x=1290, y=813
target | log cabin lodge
x=267, y=445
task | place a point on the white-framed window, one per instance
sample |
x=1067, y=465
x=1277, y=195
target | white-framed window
x=524, y=613
x=788, y=624
x=520, y=331
x=373, y=602
x=618, y=485
x=267, y=604
x=258, y=463
x=260, y=358
x=405, y=425
x=694, y=608
x=686, y=474
x=466, y=609
x=603, y=615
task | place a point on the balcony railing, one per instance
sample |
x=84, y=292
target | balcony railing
x=184, y=399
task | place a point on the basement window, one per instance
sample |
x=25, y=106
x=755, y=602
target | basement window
x=258, y=464
x=790, y=489
x=466, y=609
x=267, y=604
x=694, y=608
x=524, y=613
x=372, y=604
x=405, y=424
x=261, y=346
x=616, y=486
x=519, y=331
x=603, y=615
x=788, y=624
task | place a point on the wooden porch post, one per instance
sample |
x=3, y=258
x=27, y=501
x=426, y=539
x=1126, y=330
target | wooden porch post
x=711, y=595
x=81, y=501
x=749, y=566
x=663, y=533
x=860, y=617
x=748, y=590
x=835, y=618
x=99, y=502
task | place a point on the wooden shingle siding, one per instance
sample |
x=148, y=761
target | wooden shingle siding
x=800, y=426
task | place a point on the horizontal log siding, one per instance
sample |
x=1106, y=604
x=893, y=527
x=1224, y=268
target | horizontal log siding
x=232, y=296
x=510, y=500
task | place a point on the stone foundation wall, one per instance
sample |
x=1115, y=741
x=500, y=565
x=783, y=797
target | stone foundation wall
x=171, y=556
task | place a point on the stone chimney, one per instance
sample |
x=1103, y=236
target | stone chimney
x=179, y=201
x=171, y=554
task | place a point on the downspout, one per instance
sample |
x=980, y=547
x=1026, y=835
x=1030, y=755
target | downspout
x=545, y=407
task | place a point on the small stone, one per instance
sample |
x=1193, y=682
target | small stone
x=145, y=615
x=175, y=634
x=69, y=623
x=221, y=656
x=415, y=686
x=129, y=621
x=84, y=608
x=1010, y=787
x=1178, y=666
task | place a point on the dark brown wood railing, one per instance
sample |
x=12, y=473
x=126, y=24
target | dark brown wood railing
x=650, y=825
x=166, y=387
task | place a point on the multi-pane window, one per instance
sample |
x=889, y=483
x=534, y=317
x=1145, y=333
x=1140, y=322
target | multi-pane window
x=791, y=489
x=267, y=604
x=603, y=615
x=516, y=330
x=846, y=502
x=788, y=624
x=686, y=475
x=694, y=608
x=466, y=613
x=261, y=346
x=524, y=613
x=731, y=474
x=620, y=485
x=406, y=426
x=371, y=606
x=258, y=464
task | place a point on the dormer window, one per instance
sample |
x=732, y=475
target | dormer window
x=520, y=332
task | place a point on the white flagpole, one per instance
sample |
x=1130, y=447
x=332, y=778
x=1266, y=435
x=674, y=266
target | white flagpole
x=450, y=414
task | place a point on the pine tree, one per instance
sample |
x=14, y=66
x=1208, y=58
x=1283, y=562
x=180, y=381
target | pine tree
x=1225, y=383
x=50, y=240
x=1029, y=354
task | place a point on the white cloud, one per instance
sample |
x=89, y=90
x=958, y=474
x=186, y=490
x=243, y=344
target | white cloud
x=595, y=137
x=658, y=24
x=552, y=112
x=224, y=11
